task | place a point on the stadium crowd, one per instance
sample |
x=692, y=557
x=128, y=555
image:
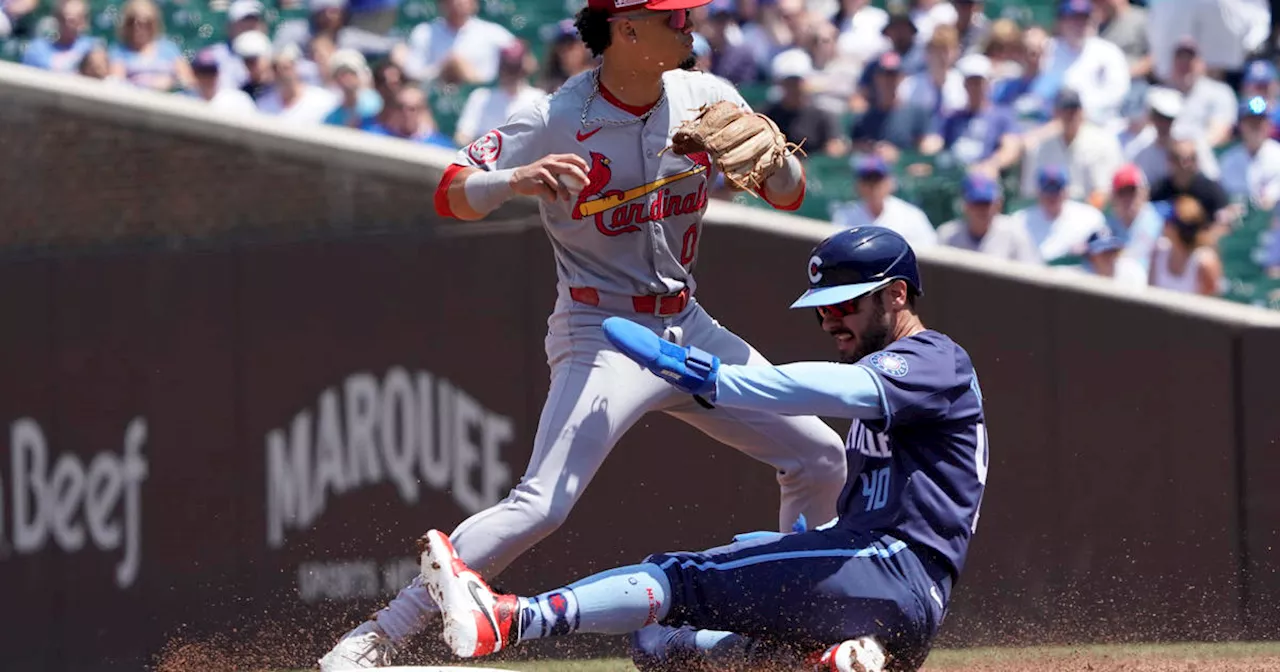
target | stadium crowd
x=1135, y=136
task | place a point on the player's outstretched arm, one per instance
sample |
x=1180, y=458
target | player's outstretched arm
x=471, y=193
x=803, y=388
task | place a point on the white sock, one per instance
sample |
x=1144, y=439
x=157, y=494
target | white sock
x=615, y=602
x=409, y=613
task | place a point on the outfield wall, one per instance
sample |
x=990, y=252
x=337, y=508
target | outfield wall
x=243, y=366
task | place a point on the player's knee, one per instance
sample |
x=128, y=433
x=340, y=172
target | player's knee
x=545, y=515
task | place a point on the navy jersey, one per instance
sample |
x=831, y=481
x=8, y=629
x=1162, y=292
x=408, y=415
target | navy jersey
x=919, y=473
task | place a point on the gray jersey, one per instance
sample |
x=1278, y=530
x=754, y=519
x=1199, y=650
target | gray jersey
x=635, y=228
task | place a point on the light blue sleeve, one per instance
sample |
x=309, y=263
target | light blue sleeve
x=804, y=388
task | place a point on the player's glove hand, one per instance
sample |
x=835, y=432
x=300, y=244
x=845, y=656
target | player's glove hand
x=747, y=147
x=687, y=368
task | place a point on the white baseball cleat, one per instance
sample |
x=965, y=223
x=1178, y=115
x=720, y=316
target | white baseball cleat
x=477, y=621
x=365, y=647
x=853, y=655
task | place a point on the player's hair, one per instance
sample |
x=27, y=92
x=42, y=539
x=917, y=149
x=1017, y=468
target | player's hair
x=593, y=26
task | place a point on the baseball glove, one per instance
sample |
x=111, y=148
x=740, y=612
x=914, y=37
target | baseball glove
x=746, y=146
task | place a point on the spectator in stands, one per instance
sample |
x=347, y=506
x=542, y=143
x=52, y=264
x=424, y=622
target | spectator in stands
x=325, y=27
x=879, y=207
x=1135, y=220
x=489, y=107
x=1029, y=98
x=780, y=25
x=972, y=25
x=1150, y=147
x=204, y=68
x=567, y=55
x=835, y=76
x=292, y=99
x=1103, y=254
x=1092, y=67
x=1260, y=80
x=63, y=53
x=411, y=120
x=243, y=16
x=388, y=80
x=1004, y=47
x=15, y=17
x=96, y=64
x=360, y=104
x=1185, y=179
x=457, y=46
x=939, y=88
x=1185, y=258
x=701, y=53
x=1207, y=103
x=144, y=56
x=889, y=125
x=901, y=33
x=795, y=112
x=1125, y=26
x=254, y=50
x=981, y=136
x=983, y=229
x=861, y=27
x=730, y=57
x=1089, y=154
x=1226, y=29
x=1058, y=225
x=928, y=15
x=1251, y=169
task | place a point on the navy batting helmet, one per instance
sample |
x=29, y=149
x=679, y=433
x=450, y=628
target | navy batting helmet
x=855, y=262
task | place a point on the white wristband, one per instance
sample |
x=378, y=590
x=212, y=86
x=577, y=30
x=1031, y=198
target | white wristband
x=787, y=178
x=488, y=189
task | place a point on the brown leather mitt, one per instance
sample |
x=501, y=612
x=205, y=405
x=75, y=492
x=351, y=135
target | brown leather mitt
x=746, y=146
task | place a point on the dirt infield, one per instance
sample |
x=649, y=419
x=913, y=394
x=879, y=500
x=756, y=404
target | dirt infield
x=1233, y=657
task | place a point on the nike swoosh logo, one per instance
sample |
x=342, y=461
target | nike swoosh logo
x=583, y=136
x=475, y=595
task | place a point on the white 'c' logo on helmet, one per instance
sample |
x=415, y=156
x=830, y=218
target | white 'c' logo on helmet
x=815, y=263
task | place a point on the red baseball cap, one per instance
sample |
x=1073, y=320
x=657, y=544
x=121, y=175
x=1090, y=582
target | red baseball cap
x=1127, y=177
x=614, y=6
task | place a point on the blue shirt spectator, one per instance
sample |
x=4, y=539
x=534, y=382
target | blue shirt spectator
x=888, y=119
x=980, y=133
x=143, y=56
x=64, y=53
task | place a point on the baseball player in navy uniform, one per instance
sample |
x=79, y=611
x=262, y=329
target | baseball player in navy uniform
x=866, y=591
x=624, y=217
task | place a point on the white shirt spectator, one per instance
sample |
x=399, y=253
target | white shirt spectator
x=861, y=34
x=311, y=106
x=1153, y=158
x=1225, y=30
x=1062, y=235
x=928, y=19
x=1255, y=177
x=1099, y=72
x=1189, y=279
x=909, y=221
x=489, y=107
x=1090, y=161
x=1006, y=238
x=234, y=101
x=1208, y=101
x=477, y=42
x=918, y=90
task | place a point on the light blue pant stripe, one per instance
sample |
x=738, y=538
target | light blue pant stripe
x=870, y=551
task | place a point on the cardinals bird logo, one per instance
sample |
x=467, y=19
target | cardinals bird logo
x=627, y=216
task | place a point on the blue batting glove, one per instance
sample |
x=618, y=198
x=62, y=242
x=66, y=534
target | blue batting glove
x=687, y=368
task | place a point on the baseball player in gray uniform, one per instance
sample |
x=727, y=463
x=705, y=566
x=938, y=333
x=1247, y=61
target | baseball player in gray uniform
x=625, y=220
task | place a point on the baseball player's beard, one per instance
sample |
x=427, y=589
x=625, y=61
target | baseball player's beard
x=874, y=337
x=690, y=62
